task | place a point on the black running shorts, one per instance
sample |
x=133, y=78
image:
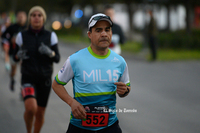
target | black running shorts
x=42, y=88
x=111, y=129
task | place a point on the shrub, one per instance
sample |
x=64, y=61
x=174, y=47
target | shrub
x=180, y=40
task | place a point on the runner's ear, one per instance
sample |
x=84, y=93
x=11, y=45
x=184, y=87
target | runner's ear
x=89, y=34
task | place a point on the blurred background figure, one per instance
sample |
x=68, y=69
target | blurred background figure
x=8, y=41
x=4, y=23
x=117, y=33
x=152, y=34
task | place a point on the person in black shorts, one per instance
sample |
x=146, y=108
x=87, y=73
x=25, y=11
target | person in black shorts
x=5, y=22
x=37, y=48
x=8, y=40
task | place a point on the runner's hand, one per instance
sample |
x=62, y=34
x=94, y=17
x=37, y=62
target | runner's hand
x=121, y=88
x=78, y=110
x=44, y=49
x=21, y=54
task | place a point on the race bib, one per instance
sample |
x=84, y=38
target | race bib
x=97, y=116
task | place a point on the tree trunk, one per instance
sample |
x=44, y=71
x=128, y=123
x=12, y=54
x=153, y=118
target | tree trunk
x=130, y=16
x=168, y=17
x=188, y=26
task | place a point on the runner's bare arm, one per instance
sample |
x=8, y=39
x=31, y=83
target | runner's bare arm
x=77, y=109
x=122, y=88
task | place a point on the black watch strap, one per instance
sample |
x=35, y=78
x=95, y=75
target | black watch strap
x=126, y=91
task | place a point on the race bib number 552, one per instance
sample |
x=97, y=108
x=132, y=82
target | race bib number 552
x=96, y=116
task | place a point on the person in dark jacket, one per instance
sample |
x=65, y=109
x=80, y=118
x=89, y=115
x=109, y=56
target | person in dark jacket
x=37, y=48
x=152, y=36
x=118, y=37
x=8, y=40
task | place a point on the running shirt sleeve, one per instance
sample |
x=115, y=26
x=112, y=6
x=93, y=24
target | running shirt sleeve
x=65, y=74
x=18, y=40
x=54, y=39
x=125, y=77
x=19, y=43
x=54, y=47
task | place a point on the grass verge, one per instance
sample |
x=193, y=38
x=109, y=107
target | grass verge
x=131, y=47
x=172, y=55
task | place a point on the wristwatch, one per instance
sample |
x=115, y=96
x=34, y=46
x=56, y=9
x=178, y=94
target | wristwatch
x=126, y=91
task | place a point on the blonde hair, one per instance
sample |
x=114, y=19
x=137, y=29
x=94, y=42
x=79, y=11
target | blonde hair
x=37, y=8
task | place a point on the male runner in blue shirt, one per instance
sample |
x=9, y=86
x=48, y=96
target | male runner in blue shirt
x=97, y=74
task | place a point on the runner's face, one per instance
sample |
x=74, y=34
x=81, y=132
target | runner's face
x=21, y=18
x=110, y=12
x=36, y=20
x=101, y=35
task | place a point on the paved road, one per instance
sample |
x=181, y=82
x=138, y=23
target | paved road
x=165, y=98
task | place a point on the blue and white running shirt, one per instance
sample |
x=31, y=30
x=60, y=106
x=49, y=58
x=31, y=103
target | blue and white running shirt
x=93, y=77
